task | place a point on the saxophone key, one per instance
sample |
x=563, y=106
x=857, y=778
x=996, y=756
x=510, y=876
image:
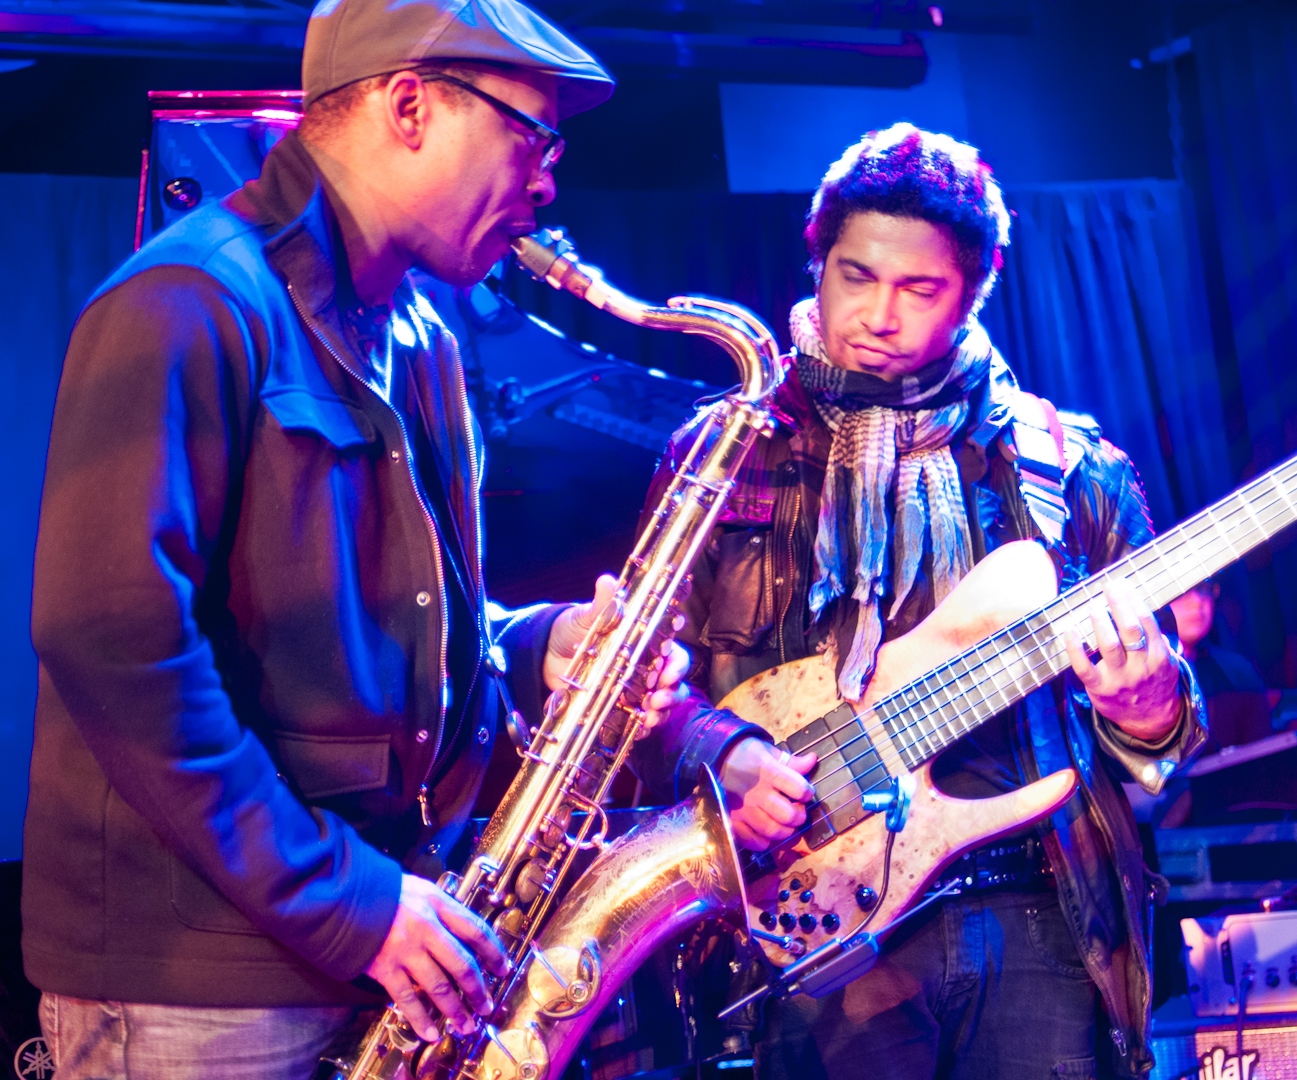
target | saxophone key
x=533, y=879
x=556, y=826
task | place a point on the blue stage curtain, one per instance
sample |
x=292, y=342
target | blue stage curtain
x=1247, y=84
x=59, y=237
x=1102, y=309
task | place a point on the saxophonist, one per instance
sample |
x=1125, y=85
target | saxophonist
x=266, y=658
x=895, y=466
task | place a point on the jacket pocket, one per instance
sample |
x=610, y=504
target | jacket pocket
x=327, y=416
x=322, y=765
x=742, y=605
x=199, y=906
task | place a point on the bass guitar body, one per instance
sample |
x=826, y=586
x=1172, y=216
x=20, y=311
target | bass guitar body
x=848, y=867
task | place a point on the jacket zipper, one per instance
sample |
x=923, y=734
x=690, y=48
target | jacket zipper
x=483, y=629
x=436, y=551
x=474, y=478
x=788, y=581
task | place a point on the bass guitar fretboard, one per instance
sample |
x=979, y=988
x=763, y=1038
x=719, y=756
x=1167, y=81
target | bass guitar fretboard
x=929, y=714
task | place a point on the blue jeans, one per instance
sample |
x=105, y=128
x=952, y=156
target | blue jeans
x=987, y=987
x=115, y=1040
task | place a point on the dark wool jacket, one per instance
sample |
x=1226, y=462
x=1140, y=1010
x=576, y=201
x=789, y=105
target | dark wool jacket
x=241, y=614
x=749, y=611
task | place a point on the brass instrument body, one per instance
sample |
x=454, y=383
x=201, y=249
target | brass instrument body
x=672, y=871
x=573, y=948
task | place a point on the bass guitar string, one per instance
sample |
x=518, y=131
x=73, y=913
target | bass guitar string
x=1092, y=589
x=1049, y=657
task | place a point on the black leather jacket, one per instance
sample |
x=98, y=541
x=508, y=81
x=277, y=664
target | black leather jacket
x=748, y=612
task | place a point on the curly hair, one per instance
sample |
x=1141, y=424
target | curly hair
x=907, y=172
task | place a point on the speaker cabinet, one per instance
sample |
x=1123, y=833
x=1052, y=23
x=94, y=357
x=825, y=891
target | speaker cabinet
x=1208, y=1051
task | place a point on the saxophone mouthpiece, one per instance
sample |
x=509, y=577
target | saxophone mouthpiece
x=549, y=256
x=539, y=251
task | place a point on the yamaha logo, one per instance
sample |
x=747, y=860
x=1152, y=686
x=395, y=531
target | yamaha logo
x=33, y=1061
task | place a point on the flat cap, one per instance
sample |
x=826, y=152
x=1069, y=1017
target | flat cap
x=347, y=40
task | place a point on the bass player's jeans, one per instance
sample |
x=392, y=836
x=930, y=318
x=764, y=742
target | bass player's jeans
x=115, y=1040
x=988, y=987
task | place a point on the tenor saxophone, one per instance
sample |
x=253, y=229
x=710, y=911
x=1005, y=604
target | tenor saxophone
x=573, y=945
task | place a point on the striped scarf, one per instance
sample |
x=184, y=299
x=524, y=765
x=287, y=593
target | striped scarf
x=887, y=437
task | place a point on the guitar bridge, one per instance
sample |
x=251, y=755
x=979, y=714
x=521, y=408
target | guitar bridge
x=844, y=773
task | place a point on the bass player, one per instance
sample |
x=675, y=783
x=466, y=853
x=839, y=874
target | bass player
x=904, y=453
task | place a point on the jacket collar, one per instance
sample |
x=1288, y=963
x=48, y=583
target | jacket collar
x=288, y=201
x=791, y=404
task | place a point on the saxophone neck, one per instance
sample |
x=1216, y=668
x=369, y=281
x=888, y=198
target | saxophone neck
x=550, y=257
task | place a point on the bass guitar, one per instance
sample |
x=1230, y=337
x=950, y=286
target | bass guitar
x=880, y=830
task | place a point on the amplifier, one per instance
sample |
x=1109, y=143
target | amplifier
x=1188, y=1049
x=1228, y=862
x=1223, y=951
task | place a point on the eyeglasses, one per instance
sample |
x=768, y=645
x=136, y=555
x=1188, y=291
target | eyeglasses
x=541, y=134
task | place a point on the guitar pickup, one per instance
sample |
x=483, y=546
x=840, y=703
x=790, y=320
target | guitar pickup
x=848, y=768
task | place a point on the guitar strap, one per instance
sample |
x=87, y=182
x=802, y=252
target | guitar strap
x=1041, y=464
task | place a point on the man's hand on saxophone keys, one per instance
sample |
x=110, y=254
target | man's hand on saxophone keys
x=434, y=954
x=666, y=688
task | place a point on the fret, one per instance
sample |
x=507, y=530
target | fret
x=1139, y=582
x=1207, y=537
x=1166, y=555
x=1171, y=565
x=946, y=706
x=923, y=716
x=1210, y=514
x=962, y=680
x=915, y=732
x=1041, y=662
x=1235, y=521
x=984, y=684
x=1246, y=506
x=1016, y=668
x=1283, y=494
x=1077, y=605
x=944, y=710
x=961, y=719
x=1281, y=506
x=885, y=713
x=1214, y=550
x=994, y=678
x=1276, y=512
x=933, y=729
x=919, y=734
